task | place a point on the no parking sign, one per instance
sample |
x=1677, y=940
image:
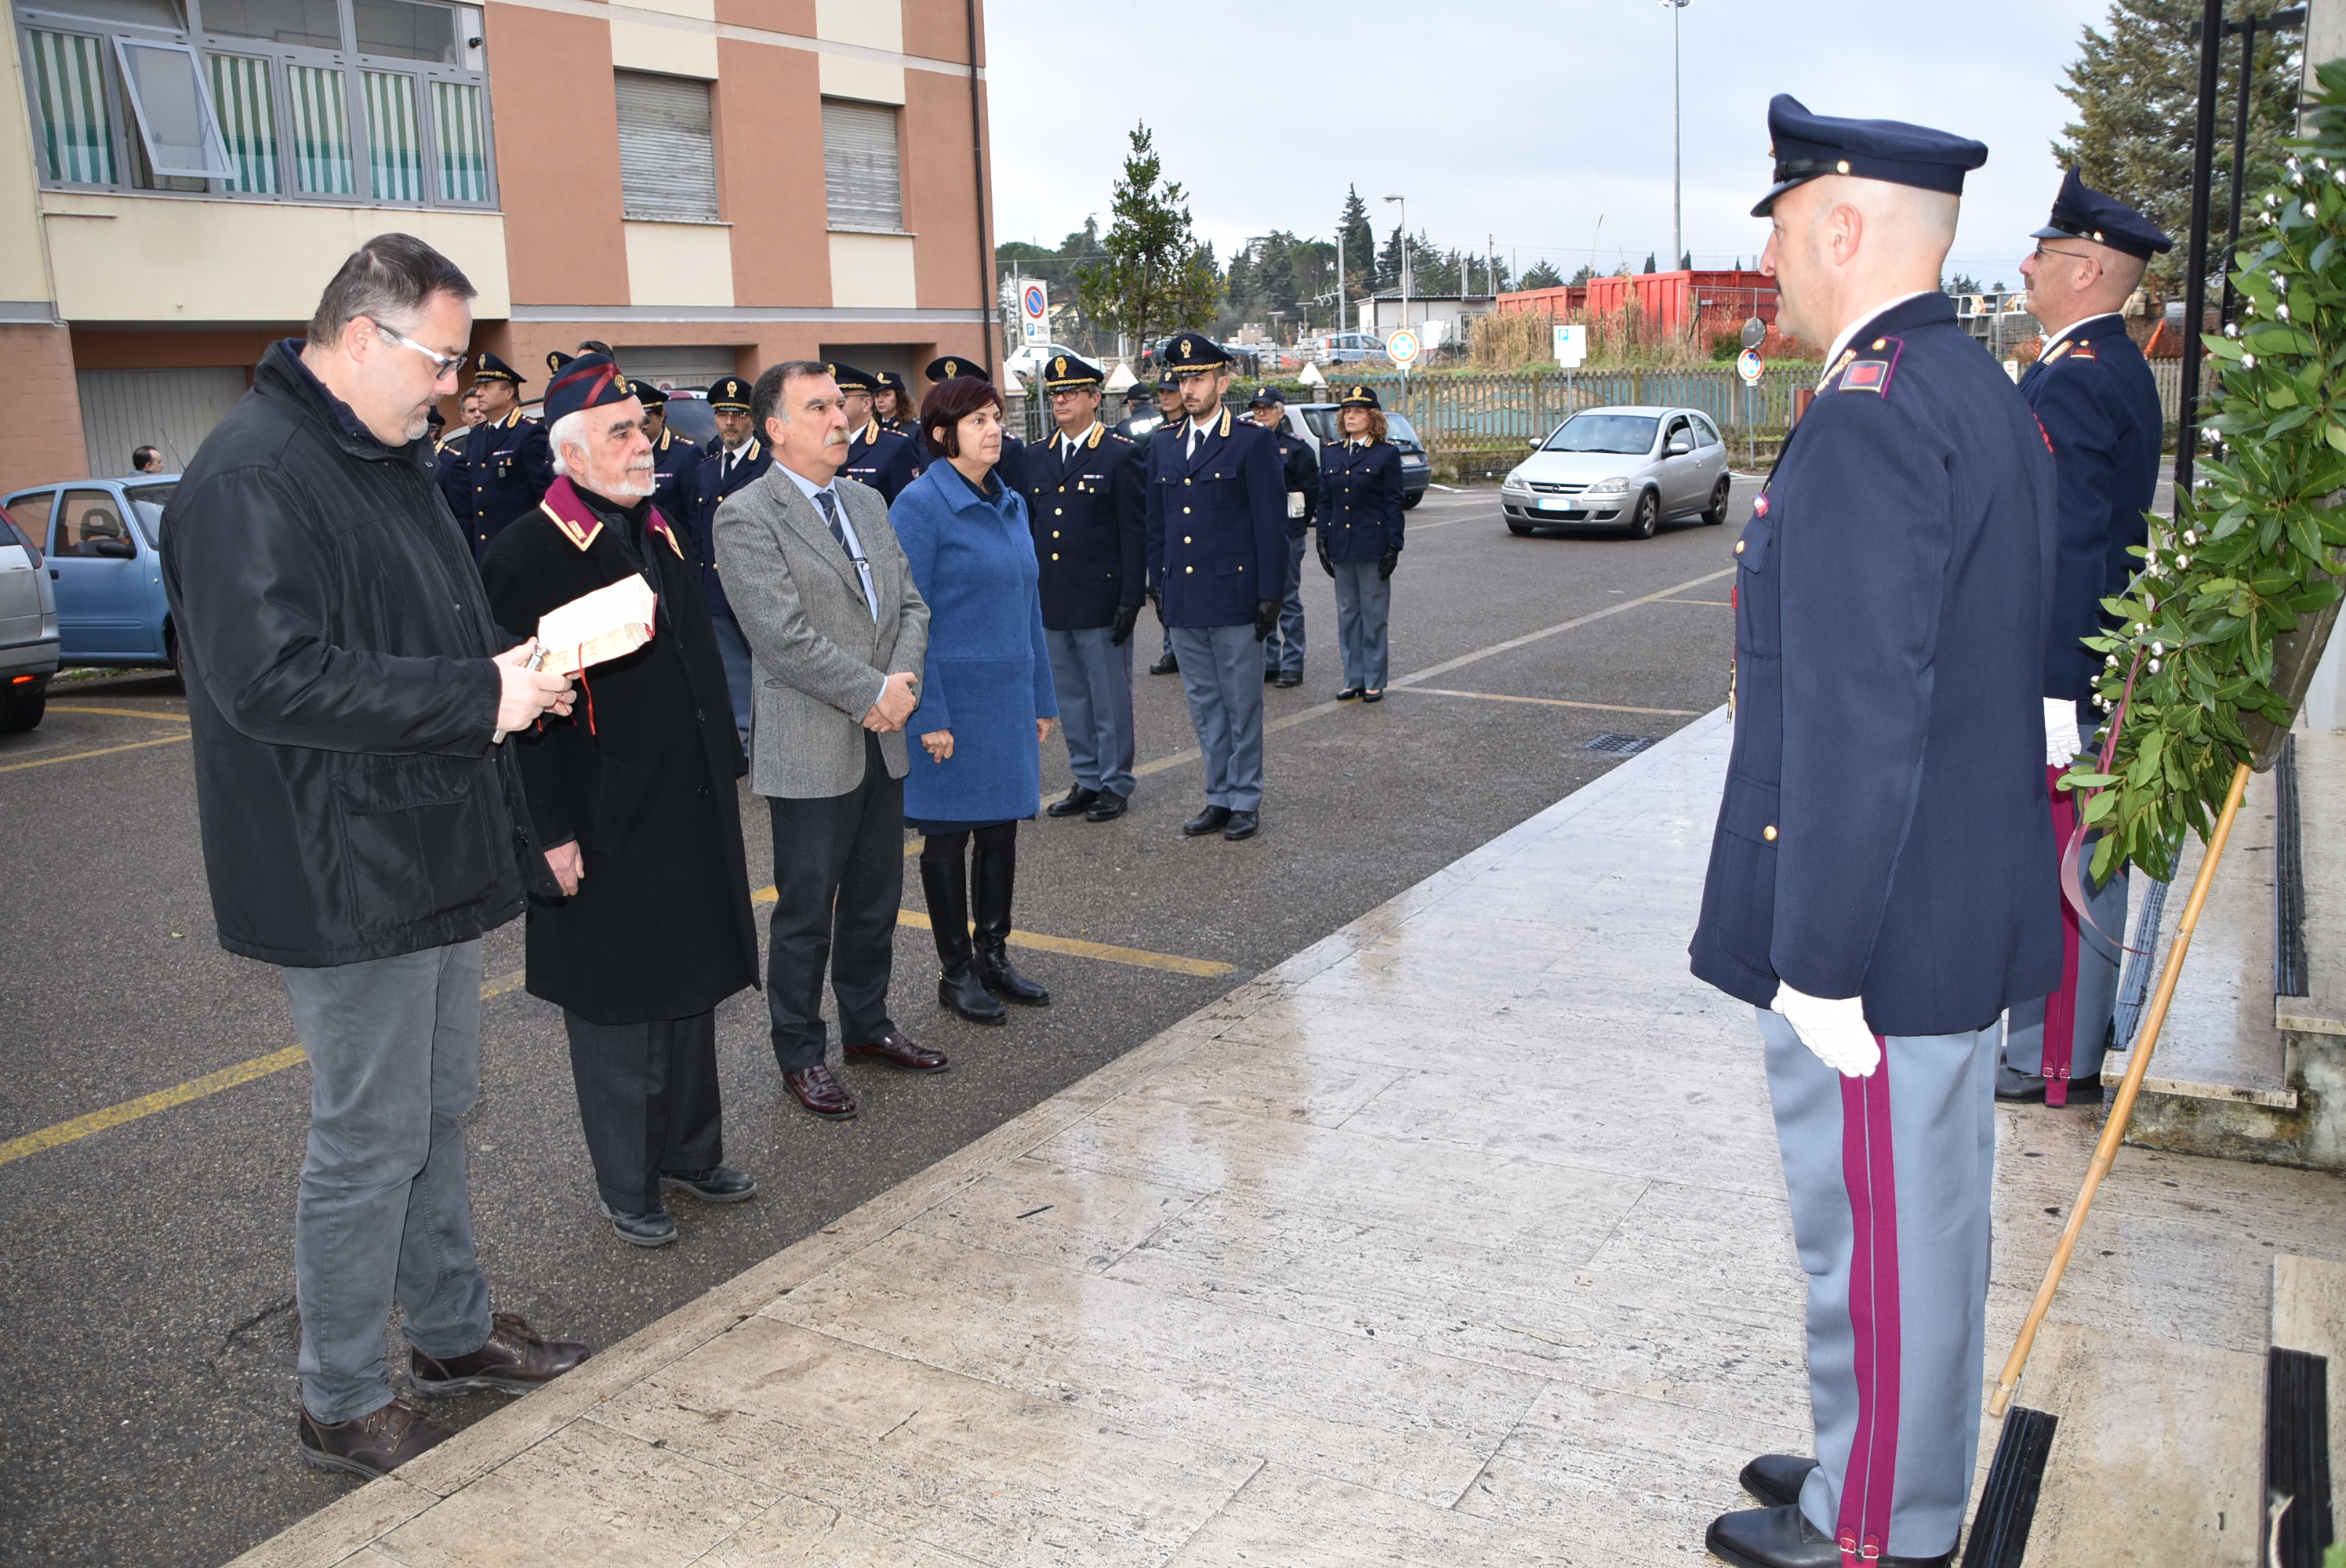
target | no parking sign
x=1035, y=314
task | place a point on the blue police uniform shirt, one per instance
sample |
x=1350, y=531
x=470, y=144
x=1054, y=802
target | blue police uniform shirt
x=1088, y=513
x=1360, y=499
x=675, y=463
x=712, y=484
x=1882, y=832
x=507, y=467
x=880, y=458
x=1216, y=522
x=2094, y=395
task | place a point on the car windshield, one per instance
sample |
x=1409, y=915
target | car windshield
x=1623, y=432
x=146, y=503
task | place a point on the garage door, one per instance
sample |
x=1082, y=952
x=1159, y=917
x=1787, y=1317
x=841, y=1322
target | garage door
x=689, y=365
x=171, y=410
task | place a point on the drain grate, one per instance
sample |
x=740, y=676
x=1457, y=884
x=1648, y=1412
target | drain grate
x=1620, y=745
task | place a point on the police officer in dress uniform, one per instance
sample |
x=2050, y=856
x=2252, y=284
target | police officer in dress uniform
x=675, y=462
x=891, y=405
x=2093, y=392
x=876, y=455
x=506, y=464
x=1087, y=491
x=1169, y=413
x=1218, y=568
x=1362, y=513
x=740, y=460
x=1282, y=651
x=1880, y=880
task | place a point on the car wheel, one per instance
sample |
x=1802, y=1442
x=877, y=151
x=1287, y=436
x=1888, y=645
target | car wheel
x=1408, y=502
x=171, y=653
x=1715, y=513
x=21, y=707
x=1643, y=521
x=1520, y=530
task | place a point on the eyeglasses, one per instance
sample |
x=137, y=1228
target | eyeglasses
x=443, y=365
x=2071, y=255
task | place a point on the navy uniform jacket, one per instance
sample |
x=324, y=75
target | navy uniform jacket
x=1883, y=830
x=506, y=468
x=2094, y=395
x=1216, y=522
x=1359, y=500
x=1090, y=531
x=1302, y=472
x=448, y=464
x=676, y=467
x=711, y=486
x=880, y=458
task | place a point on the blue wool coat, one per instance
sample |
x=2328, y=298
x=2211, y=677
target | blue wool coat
x=988, y=677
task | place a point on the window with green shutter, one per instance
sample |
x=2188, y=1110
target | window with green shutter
x=247, y=122
x=68, y=81
x=461, y=123
x=395, y=147
x=319, y=118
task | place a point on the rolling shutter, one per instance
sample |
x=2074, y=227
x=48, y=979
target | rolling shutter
x=668, y=157
x=172, y=410
x=860, y=168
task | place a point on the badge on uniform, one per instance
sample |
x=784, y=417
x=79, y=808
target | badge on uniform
x=1866, y=375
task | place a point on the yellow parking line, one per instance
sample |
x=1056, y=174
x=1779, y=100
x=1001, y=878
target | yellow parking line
x=1553, y=701
x=77, y=755
x=193, y=1089
x=116, y=712
x=1106, y=952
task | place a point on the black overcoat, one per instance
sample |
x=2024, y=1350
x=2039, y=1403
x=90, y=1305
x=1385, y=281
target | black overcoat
x=641, y=775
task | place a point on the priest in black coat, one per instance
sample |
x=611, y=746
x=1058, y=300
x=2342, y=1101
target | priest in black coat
x=639, y=791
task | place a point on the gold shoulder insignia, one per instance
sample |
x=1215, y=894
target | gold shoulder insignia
x=1098, y=430
x=2059, y=349
x=1226, y=423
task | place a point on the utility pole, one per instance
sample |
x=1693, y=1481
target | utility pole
x=1404, y=278
x=1678, y=223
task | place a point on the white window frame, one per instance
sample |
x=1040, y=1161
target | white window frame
x=215, y=165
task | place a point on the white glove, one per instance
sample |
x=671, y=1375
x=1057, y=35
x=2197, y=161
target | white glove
x=2061, y=742
x=1834, y=1031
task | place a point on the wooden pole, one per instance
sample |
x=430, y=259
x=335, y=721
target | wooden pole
x=2114, y=1130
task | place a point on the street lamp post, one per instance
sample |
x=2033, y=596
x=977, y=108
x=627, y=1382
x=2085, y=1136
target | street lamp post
x=1678, y=223
x=1404, y=270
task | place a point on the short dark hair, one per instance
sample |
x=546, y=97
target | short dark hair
x=139, y=458
x=948, y=403
x=766, y=397
x=391, y=275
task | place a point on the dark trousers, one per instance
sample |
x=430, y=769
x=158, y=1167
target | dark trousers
x=839, y=880
x=647, y=1100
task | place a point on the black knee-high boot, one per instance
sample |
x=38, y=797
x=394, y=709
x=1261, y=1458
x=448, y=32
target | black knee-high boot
x=992, y=873
x=959, y=987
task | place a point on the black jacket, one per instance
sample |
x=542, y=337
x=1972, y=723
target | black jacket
x=641, y=775
x=336, y=643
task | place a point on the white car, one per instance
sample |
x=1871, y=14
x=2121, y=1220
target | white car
x=1626, y=468
x=1030, y=358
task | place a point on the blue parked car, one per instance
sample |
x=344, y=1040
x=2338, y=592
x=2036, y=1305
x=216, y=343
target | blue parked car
x=103, y=547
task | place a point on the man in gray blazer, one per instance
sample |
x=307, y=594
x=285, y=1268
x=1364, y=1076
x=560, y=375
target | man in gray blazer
x=837, y=634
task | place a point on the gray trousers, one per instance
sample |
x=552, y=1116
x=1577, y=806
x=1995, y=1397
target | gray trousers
x=734, y=649
x=1891, y=1179
x=2088, y=994
x=1364, y=607
x=1222, y=674
x=1282, y=651
x=1093, y=679
x=394, y=1048
x=647, y=1102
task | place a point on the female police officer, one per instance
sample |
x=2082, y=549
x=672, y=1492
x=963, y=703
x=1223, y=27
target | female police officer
x=1360, y=538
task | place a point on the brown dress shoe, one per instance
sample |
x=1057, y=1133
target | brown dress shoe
x=375, y=1443
x=517, y=1358
x=820, y=1092
x=897, y=1052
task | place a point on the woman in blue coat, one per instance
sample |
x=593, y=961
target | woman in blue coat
x=1360, y=538
x=986, y=700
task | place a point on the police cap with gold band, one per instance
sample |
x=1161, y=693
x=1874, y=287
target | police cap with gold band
x=1809, y=145
x=554, y=360
x=1189, y=351
x=648, y=395
x=1065, y=372
x=849, y=378
x=729, y=394
x=2084, y=213
x=487, y=367
x=1358, y=397
x=946, y=367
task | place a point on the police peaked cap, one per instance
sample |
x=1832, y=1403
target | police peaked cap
x=1186, y=352
x=554, y=360
x=648, y=395
x=893, y=382
x=947, y=366
x=1166, y=380
x=849, y=378
x=2085, y=213
x=1807, y=146
x=1358, y=397
x=729, y=394
x=1266, y=396
x=588, y=381
x=487, y=367
x=1064, y=372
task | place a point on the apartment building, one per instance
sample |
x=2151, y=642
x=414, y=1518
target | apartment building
x=709, y=185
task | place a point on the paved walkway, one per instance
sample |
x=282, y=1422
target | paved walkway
x=1458, y=1239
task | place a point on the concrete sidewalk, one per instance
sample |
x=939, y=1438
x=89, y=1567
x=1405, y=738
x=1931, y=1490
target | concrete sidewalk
x=1457, y=1238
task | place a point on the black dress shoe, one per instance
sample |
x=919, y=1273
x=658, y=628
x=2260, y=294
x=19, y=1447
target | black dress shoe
x=1108, y=807
x=960, y=989
x=1168, y=665
x=1212, y=819
x=1776, y=1479
x=718, y=1184
x=1074, y=803
x=656, y=1228
x=1350, y=694
x=1783, y=1538
x=1376, y=696
x=2027, y=1089
x=1291, y=677
x=1269, y=678
x=1242, y=825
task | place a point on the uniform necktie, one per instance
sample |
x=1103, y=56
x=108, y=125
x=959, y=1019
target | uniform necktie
x=1193, y=440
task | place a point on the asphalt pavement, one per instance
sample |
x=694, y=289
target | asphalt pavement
x=147, y=1334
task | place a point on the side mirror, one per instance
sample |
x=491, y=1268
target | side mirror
x=1679, y=447
x=1532, y=444
x=114, y=549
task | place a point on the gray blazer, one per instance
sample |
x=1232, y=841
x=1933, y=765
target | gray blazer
x=818, y=661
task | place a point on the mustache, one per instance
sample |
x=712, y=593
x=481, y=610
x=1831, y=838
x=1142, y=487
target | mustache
x=836, y=438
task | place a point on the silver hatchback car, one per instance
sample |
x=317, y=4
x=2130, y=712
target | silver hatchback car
x=1627, y=468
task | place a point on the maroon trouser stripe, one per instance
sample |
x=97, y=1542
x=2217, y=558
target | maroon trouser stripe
x=1869, y=1172
x=2061, y=1007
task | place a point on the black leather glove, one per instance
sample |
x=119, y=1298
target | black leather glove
x=1156, y=603
x=1127, y=616
x=1327, y=562
x=1385, y=566
x=1266, y=618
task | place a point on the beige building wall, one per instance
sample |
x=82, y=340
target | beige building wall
x=24, y=267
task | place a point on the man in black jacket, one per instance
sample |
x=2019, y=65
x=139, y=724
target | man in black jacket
x=344, y=689
x=642, y=784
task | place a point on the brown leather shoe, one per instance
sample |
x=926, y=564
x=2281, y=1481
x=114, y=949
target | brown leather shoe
x=897, y=1052
x=820, y=1092
x=373, y=1444
x=516, y=1357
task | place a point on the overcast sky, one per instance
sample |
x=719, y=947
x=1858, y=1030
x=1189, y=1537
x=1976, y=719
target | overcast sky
x=1525, y=120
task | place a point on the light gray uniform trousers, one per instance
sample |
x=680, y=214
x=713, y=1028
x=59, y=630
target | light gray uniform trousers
x=1891, y=1178
x=394, y=1048
x=1222, y=674
x=1363, y=611
x=1093, y=679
